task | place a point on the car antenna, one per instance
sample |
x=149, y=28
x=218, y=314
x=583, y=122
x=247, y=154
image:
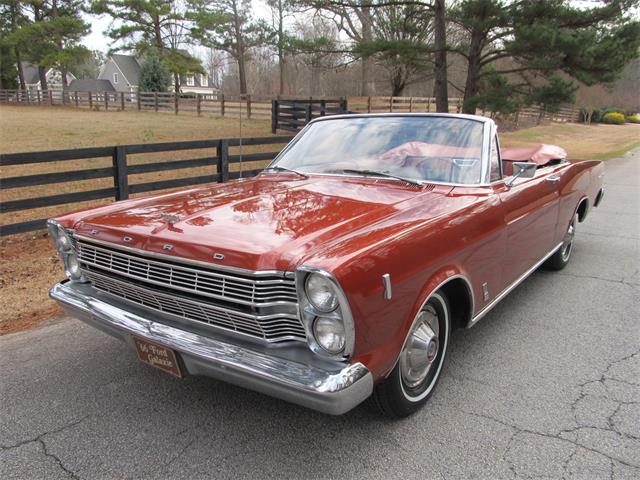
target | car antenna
x=241, y=96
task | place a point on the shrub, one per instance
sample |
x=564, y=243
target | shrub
x=613, y=118
x=612, y=110
x=633, y=118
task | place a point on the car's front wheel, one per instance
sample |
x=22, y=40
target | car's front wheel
x=561, y=257
x=413, y=379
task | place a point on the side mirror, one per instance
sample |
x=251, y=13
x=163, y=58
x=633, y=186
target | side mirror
x=522, y=170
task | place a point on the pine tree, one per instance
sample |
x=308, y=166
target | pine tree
x=534, y=52
x=159, y=25
x=154, y=74
x=51, y=36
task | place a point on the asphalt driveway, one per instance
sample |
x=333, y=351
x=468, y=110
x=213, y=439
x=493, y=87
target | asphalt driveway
x=546, y=386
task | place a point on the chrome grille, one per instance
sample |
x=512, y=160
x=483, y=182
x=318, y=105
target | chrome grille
x=223, y=286
x=262, y=305
x=269, y=327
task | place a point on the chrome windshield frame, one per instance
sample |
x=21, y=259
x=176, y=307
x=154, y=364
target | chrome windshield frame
x=489, y=129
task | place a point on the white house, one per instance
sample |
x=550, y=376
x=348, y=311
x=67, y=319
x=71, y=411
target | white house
x=53, y=76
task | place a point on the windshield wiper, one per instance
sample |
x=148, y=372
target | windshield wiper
x=277, y=168
x=374, y=173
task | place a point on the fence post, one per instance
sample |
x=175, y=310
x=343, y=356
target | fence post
x=248, y=106
x=323, y=107
x=391, y=104
x=222, y=104
x=75, y=97
x=120, y=179
x=155, y=100
x=106, y=101
x=410, y=104
x=369, y=104
x=343, y=104
x=138, y=99
x=428, y=104
x=176, y=100
x=50, y=93
x=274, y=116
x=122, y=101
x=223, y=161
x=90, y=101
x=39, y=99
x=307, y=113
x=198, y=100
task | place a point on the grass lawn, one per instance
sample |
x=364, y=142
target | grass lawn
x=29, y=129
x=584, y=142
x=29, y=263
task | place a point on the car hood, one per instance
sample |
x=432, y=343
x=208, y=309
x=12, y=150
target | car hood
x=270, y=222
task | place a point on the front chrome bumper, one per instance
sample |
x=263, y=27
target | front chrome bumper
x=330, y=388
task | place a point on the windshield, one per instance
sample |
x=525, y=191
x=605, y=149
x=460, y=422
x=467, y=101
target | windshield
x=437, y=149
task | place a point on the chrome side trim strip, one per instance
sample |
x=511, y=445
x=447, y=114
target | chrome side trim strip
x=507, y=290
x=330, y=387
x=386, y=283
x=172, y=258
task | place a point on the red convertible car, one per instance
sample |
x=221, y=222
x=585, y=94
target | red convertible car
x=339, y=272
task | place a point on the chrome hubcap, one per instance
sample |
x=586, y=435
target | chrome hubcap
x=567, y=243
x=421, y=349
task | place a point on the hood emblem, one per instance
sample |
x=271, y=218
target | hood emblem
x=167, y=247
x=127, y=239
x=169, y=218
x=218, y=256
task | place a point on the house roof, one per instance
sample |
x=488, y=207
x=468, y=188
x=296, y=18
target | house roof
x=30, y=72
x=129, y=67
x=91, y=85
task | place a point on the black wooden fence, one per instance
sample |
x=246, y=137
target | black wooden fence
x=121, y=170
x=292, y=115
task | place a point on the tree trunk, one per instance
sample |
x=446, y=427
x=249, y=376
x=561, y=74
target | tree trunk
x=242, y=74
x=176, y=83
x=23, y=85
x=440, y=40
x=367, y=85
x=473, y=73
x=398, y=83
x=65, y=83
x=42, y=74
x=281, y=47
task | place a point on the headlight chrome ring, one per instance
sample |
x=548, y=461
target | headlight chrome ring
x=321, y=293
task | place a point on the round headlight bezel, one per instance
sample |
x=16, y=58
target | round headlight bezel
x=325, y=281
x=321, y=337
x=72, y=267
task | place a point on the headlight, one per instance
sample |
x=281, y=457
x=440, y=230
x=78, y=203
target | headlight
x=321, y=293
x=62, y=242
x=60, y=238
x=73, y=267
x=330, y=334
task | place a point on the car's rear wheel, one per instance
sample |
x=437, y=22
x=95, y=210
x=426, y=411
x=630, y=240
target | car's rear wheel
x=561, y=258
x=413, y=379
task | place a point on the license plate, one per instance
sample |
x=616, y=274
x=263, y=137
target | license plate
x=158, y=356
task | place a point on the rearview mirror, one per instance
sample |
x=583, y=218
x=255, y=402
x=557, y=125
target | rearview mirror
x=522, y=170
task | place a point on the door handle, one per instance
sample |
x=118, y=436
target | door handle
x=553, y=178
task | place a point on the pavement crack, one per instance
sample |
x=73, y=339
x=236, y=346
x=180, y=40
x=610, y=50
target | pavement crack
x=56, y=459
x=49, y=432
x=593, y=277
x=40, y=441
